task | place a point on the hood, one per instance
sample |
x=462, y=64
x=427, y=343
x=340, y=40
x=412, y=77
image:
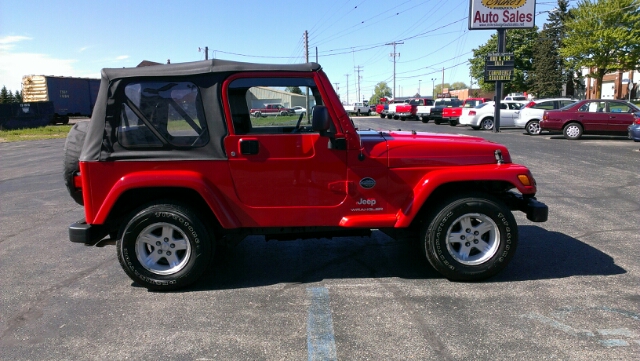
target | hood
x=418, y=149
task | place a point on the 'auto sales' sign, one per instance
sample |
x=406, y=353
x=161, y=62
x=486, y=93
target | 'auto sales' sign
x=501, y=14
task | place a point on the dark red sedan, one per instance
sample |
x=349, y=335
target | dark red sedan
x=591, y=116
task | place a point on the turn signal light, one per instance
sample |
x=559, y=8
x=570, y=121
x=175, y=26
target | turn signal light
x=524, y=179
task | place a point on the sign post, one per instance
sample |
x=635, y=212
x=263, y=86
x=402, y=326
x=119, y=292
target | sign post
x=500, y=15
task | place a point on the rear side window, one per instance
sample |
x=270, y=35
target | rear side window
x=619, y=108
x=162, y=114
x=544, y=105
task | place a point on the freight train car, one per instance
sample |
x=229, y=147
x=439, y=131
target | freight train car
x=70, y=96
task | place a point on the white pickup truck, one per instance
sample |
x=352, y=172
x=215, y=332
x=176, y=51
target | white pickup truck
x=358, y=109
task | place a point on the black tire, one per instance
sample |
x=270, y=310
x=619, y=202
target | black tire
x=174, y=232
x=403, y=118
x=487, y=123
x=453, y=122
x=389, y=116
x=367, y=113
x=572, y=131
x=425, y=120
x=436, y=122
x=491, y=227
x=396, y=117
x=358, y=113
x=533, y=127
x=72, y=148
x=383, y=116
x=475, y=127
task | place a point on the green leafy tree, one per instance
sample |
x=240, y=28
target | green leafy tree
x=381, y=90
x=458, y=85
x=294, y=90
x=603, y=36
x=519, y=42
x=439, y=87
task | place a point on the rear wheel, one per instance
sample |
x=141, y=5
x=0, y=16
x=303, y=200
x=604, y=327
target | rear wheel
x=383, y=116
x=471, y=237
x=425, y=119
x=572, y=131
x=164, y=247
x=533, y=127
x=486, y=124
x=453, y=122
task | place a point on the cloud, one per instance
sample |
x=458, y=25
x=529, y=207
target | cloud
x=8, y=42
x=122, y=57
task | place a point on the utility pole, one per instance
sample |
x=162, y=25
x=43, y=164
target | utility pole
x=347, y=88
x=442, y=89
x=433, y=88
x=306, y=57
x=206, y=52
x=394, y=55
x=358, y=69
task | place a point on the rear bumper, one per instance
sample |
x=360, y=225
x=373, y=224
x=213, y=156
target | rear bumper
x=535, y=210
x=81, y=232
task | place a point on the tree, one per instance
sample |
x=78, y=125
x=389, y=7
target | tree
x=520, y=43
x=439, y=87
x=458, y=85
x=5, y=95
x=550, y=71
x=294, y=90
x=18, y=96
x=603, y=36
x=381, y=90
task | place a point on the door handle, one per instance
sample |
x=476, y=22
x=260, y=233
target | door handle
x=249, y=147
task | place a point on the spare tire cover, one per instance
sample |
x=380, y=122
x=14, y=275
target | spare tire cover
x=72, y=148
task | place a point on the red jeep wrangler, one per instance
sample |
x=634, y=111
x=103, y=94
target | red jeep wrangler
x=172, y=165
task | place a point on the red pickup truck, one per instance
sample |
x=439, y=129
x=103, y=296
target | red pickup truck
x=272, y=109
x=172, y=166
x=452, y=114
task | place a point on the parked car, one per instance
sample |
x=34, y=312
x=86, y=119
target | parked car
x=591, y=116
x=299, y=110
x=530, y=115
x=634, y=129
x=481, y=116
x=515, y=97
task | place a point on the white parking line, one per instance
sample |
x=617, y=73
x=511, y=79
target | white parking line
x=321, y=344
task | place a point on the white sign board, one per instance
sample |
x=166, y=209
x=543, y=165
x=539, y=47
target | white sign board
x=502, y=14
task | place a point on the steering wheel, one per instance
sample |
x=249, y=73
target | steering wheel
x=297, y=128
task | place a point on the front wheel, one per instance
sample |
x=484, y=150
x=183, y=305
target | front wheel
x=470, y=238
x=425, y=120
x=383, y=116
x=453, y=122
x=164, y=247
x=533, y=127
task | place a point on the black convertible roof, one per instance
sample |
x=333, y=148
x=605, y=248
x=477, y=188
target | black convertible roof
x=202, y=67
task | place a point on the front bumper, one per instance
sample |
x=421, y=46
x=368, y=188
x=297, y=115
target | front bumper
x=535, y=210
x=81, y=232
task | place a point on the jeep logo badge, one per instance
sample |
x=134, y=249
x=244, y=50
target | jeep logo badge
x=367, y=183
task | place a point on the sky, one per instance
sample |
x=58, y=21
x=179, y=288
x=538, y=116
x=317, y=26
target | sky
x=79, y=38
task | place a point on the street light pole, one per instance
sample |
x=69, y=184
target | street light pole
x=419, y=81
x=433, y=88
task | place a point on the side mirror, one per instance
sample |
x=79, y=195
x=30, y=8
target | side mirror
x=321, y=120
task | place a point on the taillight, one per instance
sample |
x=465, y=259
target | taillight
x=636, y=119
x=545, y=116
x=530, y=105
x=472, y=112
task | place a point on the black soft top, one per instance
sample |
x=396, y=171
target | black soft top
x=202, y=67
x=97, y=145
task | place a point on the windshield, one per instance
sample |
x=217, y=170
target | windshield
x=472, y=103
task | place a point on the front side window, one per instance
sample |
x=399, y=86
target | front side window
x=593, y=107
x=272, y=105
x=162, y=114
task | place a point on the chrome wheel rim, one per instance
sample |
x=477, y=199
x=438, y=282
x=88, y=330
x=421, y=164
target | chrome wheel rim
x=573, y=131
x=473, y=239
x=534, y=128
x=163, y=249
x=487, y=124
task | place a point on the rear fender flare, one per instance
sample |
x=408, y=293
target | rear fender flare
x=163, y=179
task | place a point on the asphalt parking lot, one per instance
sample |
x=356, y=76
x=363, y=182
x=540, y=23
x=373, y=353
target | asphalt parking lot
x=570, y=293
